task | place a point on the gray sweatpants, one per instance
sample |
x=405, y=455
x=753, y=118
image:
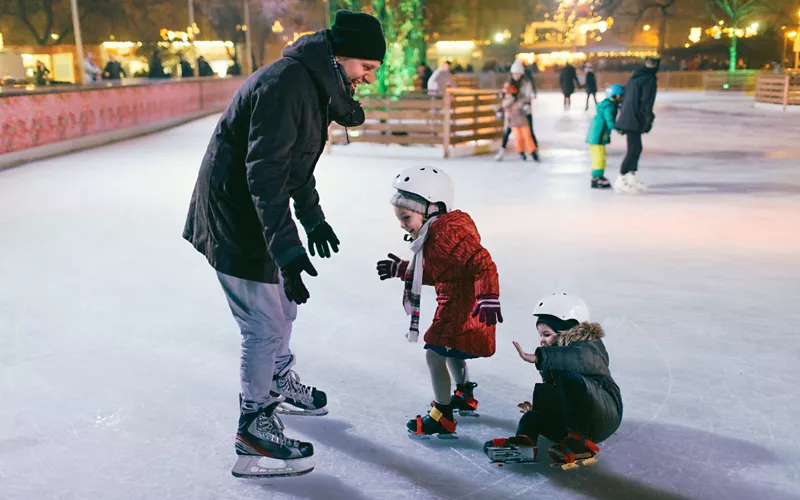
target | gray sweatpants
x=265, y=317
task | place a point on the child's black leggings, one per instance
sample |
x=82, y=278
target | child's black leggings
x=570, y=405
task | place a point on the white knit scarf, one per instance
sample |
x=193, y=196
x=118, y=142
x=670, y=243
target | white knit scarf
x=413, y=282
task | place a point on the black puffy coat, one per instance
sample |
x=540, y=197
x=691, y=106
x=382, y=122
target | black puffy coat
x=262, y=155
x=568, y=79
x=636, y=114
x=580, y=350
x=591, y=83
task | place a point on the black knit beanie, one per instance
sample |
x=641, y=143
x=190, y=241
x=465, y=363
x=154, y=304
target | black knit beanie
x=557, y=324
x=358, y=35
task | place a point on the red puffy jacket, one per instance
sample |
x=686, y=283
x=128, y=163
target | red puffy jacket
x=461, y=270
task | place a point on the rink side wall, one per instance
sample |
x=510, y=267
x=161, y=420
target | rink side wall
x=39, y=125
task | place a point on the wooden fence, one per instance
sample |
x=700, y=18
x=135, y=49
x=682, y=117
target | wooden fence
x=460, y=117
x=776, y=88
x=740, y=81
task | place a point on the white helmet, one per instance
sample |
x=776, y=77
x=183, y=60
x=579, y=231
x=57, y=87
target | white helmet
x=431, y=183
x=518, y=67
x=563, y=306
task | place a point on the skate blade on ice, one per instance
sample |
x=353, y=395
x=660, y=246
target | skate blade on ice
x=257, y=466
x=287, y=409
x=424, y=437
x=468, y=413
x=505, y=455
x=586, y=462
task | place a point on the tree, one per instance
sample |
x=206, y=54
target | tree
x=736, y=13
x=49, y=22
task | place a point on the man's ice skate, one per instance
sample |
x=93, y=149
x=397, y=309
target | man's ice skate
x=500, y=154
x=463, y=400
x=638, y=186
x=299, y=399
x=264, y=451
x=439, y=422
x=513, y=450
x=628, y=183
x=575, y=450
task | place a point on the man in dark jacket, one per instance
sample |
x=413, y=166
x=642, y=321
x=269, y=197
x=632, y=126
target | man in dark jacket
x=113, y=69
x=187, y=71
x=636, y=118
x=261, y=156
x=203, y=68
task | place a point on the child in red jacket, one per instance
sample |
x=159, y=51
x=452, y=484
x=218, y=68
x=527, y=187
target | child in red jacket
x=447, y=255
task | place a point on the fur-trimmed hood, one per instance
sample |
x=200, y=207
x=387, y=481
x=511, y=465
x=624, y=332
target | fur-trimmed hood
x=584, y=331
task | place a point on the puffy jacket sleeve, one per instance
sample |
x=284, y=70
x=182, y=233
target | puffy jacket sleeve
x=306, y=205
x=275, y=115
x=464, y=250
x=646, y=102
x=580, y=357
x=610, y=116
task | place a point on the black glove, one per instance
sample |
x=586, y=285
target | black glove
x=392, y=267
x=293, y=285
x=321, y=236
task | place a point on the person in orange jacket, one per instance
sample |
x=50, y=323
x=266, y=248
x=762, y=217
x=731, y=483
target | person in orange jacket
x=447, y=255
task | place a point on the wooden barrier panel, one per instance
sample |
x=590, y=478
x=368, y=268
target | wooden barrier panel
x=777, y=88
x=461, y=116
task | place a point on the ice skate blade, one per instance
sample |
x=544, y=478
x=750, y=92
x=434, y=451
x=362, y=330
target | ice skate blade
x=425, y=437
x=469, y=413
x=257, y=467
x=286, y=409
x=586, y=462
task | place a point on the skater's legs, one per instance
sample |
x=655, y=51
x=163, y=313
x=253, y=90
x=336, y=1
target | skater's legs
x=597, y=153
x=576, y=399
x=506, y=135
x=284, y=356
x=258, y=311
x=440, y=377
x=529, y=145
x=458, y=370
x=631, y=161
x=519, y=138
x=594, y=96
x=588, y=96
x=547, y=416
x=533, y=134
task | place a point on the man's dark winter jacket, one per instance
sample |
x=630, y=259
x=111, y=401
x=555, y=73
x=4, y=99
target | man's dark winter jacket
x=636, y=114
x=262, y=154
x=580, y=350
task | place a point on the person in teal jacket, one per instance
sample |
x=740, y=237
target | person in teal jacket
x=600, y=134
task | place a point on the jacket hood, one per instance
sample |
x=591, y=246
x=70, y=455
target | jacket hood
x=315, y=53
x=644, y=72
x=582, y=332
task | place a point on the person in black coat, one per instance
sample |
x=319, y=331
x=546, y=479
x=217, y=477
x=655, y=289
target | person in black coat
x=156, y=68
x=187, y=71
x=578, y=404
x=636, y=118
x=590, y=86
x=568, y=79
x=203, y=68
x=113, y=69
x=260, y=158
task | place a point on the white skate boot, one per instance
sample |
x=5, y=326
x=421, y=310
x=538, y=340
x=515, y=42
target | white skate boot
x=500, y=154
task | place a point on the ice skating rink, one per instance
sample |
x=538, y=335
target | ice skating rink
x=119, y=356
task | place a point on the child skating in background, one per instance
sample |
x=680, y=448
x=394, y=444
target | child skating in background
x=514, y=105
x=447, y=255
x=577, y=404
x=600, y=134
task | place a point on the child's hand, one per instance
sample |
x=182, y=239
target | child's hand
x=621, y=132
x=487, y=310
x=530, y=358
x=390, y=268
x=525, y=407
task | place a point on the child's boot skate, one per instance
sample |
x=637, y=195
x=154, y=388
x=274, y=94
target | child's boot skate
x=519, y=449
x=439, y=421
x=601, y=183
x=576, y=449
x=463, y=400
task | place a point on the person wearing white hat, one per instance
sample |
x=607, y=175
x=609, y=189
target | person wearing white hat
x=578, y=404
x=527, y=93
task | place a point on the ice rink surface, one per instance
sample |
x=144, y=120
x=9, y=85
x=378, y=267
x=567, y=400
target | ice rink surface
x=119, y=356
